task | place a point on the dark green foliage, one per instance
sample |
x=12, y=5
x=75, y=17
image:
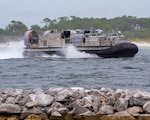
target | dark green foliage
x=15, y=27
x=131, y=26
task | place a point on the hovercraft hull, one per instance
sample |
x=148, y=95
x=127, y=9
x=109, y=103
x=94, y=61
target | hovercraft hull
x=119, y=50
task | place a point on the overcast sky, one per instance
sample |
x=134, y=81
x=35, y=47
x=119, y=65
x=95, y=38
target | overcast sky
x=31, y=12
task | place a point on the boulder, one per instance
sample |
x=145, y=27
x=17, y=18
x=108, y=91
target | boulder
x=10, y=108
x=31, y=104
x=55, y=113
x=54, y=107
x=121, y=104
x=63, y=95
x=19, y=91
x=79, y=109
x=38, y=90
x=146, y=107
x=10, y=100
x=63, y=110
x=44, y=99
x=23, y=99
x=96, y=104
x=122, y=113
x=135, y=110
x=140, y=101
x=140, y=98
x=106, y=109
x=88, y=101
x=32, y=97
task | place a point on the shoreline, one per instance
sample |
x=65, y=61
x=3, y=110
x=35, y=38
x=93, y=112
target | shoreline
x=75, y=103
x=142, y=43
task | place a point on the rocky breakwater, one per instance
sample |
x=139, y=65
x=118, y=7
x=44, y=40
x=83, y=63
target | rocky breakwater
x=74, y=104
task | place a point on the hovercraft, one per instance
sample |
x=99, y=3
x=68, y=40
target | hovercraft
x=114, y=45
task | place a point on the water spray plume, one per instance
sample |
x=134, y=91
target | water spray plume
x=11, y=50
x=72, y=52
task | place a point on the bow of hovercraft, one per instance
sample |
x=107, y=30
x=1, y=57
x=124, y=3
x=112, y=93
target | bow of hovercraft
x=126, y=49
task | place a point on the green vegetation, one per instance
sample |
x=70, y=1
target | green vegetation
x=133, y=28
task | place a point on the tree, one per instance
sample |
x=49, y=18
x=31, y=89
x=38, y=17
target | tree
x=16, y=27
x=47, y=22
x=2, y=31
x=63, y=19
x=35, y=27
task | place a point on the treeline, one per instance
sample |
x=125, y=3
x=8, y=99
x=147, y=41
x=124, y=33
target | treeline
x=132, y=27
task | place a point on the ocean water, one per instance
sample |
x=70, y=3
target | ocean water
x=76, y=69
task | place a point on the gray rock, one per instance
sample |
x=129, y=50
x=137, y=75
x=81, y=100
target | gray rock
x=62, y=95
x=54, y=107
x=79, y=109
x=146, y=107
x=139, y=93
x=44, y=99
x=106, y=109
x=80, y=102
x=18, y=98
x=135, y=110
x=71, y=106
x=140, y=101
x=140, y=98
x=96, y=104
x=121, y=105
x=57, y=105
x=19, y=91
x=38, y=90
x=88, y=101
x=10, y=100
x=32, y=96
x=63, y=110
x=10, y=108
x=31, y=104
x=122, y=113
x=26, y=112
x=60, y=110
x=53, y=91
x=88, y=113
x=8, y=91
x=34, y=110
x=24, y=99
x=50, y=110
x=55, y=113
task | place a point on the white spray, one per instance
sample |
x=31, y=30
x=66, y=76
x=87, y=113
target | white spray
x=11, y=50
x=15, y=50
x=72, y=52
